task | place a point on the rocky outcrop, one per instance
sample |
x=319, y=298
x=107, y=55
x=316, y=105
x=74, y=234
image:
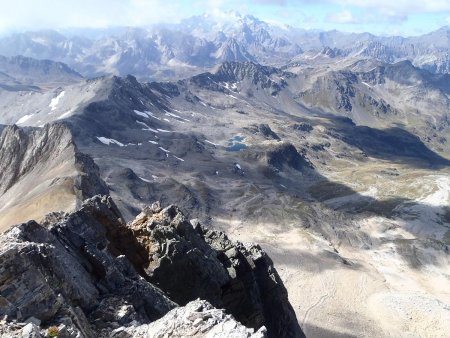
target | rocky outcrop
x=188, y=261
x=89, y=182
x=248, y=74
x=67, y=272
x=302, y=127
x=264, y=130
x=88, y=274
x=21, y=151
x=197, y=319
x=231, y=50
x=41, y=170
x=277, y=156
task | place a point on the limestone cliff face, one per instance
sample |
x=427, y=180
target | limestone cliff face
x=41, y=170
x=91, y=275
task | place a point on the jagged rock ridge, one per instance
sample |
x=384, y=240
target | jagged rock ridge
x=92, y=275
x=41, y=170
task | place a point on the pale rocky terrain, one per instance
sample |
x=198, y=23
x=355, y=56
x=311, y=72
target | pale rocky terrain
x=378, y=277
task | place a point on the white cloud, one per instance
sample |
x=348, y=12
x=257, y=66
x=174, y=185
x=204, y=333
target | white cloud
x=365, y=16
x=271, y=2
x=394, y=7
x=343, y=17
x=30, y=14
x=34, y=14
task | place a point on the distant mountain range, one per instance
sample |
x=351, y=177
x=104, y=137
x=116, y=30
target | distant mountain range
x=194, y=45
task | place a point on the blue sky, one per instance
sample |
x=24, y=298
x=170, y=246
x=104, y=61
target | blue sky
x=387, y=17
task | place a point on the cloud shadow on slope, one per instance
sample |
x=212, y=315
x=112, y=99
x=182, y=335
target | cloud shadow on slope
x=358, y=205
x=312, y=330
x=314, y=263
x=393, y=144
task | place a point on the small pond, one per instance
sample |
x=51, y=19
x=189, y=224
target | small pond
x=236, y=143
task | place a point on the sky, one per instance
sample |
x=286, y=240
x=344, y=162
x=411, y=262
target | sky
x=382, y=17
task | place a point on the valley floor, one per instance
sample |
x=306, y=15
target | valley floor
x=380, y=277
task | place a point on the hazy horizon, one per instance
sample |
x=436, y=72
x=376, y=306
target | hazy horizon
x=376, y=17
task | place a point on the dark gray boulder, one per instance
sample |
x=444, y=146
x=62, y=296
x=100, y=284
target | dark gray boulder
x=188, y=261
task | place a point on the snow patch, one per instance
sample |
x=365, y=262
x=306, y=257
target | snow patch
x=179, y=159
x=232, y=96
x=177, y=116
x=54, y=102
x=66, y=114
x=165, y=150
x=23, y=119
x=214, y=144
x=147, y=127
x=137, y=112
x=109, y=141
x=153, y=115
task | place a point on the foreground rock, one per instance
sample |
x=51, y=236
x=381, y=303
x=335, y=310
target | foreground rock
x=69, y=273
x=188, y=261
x=88, y=274
x=197, y=319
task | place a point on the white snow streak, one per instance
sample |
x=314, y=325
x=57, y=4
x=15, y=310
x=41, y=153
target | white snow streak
x=141, y=113
x=180, y=159
x=54, y=102
x=109, y=141
x=165, y=150
x=65, y=114
x=24, y=118
x=147, y=127
x=214, y=144
x=153, y=115
x=177, y=116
